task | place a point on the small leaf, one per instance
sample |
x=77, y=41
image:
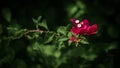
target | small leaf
x=69, y=42
x=35, y=21
x=83, y=40
x=62, y=30
x=57, y=54
x=17, y=33
x=60, y=45
x=48, y=50
x=39, y=18
x=43, y=24
x=6, y=14
x=63, y=39
x=69, y=34
x=29, y=37
x=90, y=56
x=49, y=39
x=111, y=46
x=36, y=35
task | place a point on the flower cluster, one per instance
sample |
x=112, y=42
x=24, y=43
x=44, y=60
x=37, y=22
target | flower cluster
x=82, y=28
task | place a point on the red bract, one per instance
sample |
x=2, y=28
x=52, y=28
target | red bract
x=72, y=39
x=76, y=30
x=83, y=27
x=92, y=29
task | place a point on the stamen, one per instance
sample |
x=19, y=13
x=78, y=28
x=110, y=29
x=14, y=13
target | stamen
x=79, y=25
x=77, y=21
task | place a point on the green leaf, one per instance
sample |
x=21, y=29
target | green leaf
x=36, y=35
x=89, y=54
x=76, y=52
x=49, y=50
x=69, y=34
x=57, y=54
x=43, y=24
x=73, y=9
x=62, y=30
x=17, y=33
x=69, y=42
x=6, y=14
x=112, y=45
x=29, y=37
x=35, y=21
x=63, y=39
x=83, y=40
x=39, y=18
x=49, y=38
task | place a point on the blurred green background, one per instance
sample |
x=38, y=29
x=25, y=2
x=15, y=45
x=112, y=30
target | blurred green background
x=18, y=14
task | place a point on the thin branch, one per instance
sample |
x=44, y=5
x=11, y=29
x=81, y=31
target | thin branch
x=31, y=31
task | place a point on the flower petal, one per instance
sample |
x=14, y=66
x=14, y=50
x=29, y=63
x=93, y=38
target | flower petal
x=72, y=39
x=73, y=20
x=85, y=22
x=75, y=30
x=92, y=29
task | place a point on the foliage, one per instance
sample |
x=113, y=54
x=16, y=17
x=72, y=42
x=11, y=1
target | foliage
x=44, y=41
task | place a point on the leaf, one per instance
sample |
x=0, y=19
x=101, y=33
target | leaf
x=19, y=32
x=35, y=21
x=6, y=14
x=49, y=50
x=112, y=45
x=57, y=54
x=29, y=37
x=89, y=54
x=73, y=9
x=83, y=40
x=62, y=30
x=49, y=38
x=69, y=34
x=39, y=18
x=69, y=42
x=43, y=24
x=63, y=39
x=36, y=35
x=76, y=52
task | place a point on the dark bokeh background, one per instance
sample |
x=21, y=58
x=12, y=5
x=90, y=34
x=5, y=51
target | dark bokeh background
x=106, y=13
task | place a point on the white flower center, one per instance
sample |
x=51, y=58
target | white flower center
x=77, y=21
x=79, y=25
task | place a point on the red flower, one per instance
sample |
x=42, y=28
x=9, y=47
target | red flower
x=76, y=22
x=76, y=30
x=83, y=27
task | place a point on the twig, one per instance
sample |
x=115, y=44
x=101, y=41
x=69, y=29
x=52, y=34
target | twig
x=30, y=31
